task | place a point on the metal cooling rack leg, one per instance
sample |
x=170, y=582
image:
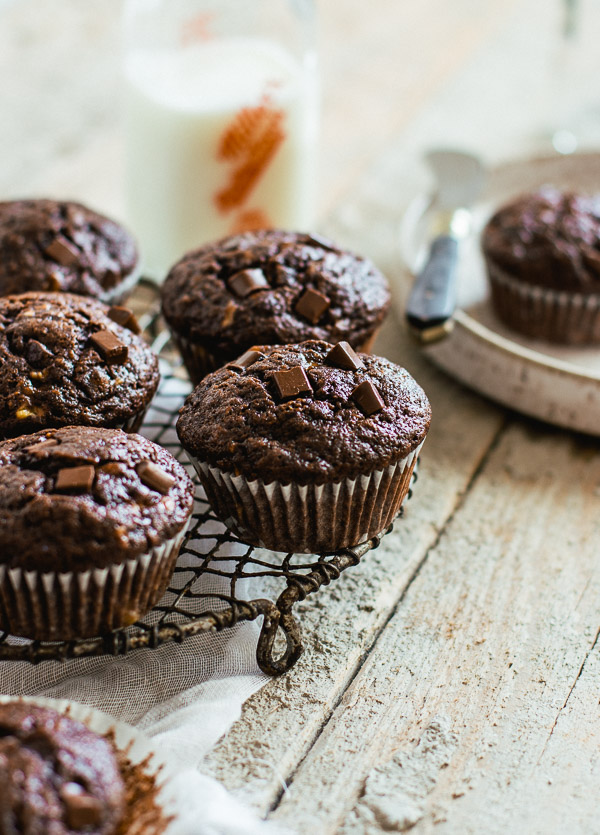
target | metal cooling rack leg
x=299, y=586
x=275, y=620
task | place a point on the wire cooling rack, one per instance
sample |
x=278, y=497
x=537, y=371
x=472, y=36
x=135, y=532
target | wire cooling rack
x=211, y=588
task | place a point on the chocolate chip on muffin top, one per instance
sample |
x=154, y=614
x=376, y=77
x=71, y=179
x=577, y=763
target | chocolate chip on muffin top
x=64, y=360
x=80, y=497
x=273, y=287
x=57, y=776
x=548, y=238
x=306, y=413
x=61, y=245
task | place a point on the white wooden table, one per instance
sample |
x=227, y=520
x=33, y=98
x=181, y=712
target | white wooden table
x=450, y=681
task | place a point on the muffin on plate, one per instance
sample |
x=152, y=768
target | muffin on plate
x=308, y=447
x=69, y=360
x=270, y=287
x=61, y=245
x=542, y=254
x=91, y=521
x=57, y=776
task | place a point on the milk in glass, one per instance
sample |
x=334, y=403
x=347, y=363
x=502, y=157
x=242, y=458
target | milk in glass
x=220, y=139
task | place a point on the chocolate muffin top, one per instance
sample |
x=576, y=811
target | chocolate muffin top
x=63, y=360
x=60, y=245
x=548, y=238
x=79, y=497
x=57, y=776
x=307, y=413
x=273, y=287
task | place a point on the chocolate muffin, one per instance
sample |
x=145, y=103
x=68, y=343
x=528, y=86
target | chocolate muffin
x=57, y=776
x=67, y=360
x=61, y=245
x=307, y=447
x=270, y=287
x=542, y=253
x=91, y=521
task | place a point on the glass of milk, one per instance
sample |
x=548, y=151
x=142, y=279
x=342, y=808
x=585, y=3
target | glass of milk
x=220, y=121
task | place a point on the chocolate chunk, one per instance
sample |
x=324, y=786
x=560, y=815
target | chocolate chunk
x=52, y=283
x=154, y=477
x=75, y=215
x=324, y=243
x=292, y=383
x=343, y=355
x=37, y=354
x=312, y=305
x=246, y=282
x=80, y=479
x=110, y=347
x=63, y=251
x=248, y=358
x=229, y=314
x=41, y=446
x=367, y=398
x=82, y=809
x=125, y=317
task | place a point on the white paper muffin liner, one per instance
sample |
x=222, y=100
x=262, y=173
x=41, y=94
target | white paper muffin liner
x=198, y=361
x=308, y=519
x=543, y=313
x=62, y=606
x=170, y=796
x=133, y=423
x=118, y=294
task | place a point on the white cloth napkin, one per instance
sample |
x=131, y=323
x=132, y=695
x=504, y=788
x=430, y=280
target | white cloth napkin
x=185, y=696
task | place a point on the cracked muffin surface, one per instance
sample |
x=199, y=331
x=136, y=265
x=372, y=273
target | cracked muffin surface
x=77, y=497
x=64, y=360
x=52, y=245
x=542, y=258
x=273, y=287
x=240, y=420
x=57, y=776
x=549, y=238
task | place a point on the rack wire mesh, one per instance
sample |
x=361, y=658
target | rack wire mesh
x=216, y=573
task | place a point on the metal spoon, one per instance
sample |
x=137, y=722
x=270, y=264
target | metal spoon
x=432, y=300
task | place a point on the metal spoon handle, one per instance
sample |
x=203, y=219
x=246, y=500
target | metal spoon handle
x=432, y=300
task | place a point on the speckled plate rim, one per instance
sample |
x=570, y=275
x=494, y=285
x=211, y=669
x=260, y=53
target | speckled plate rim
x=137, y=746
x=524, y=378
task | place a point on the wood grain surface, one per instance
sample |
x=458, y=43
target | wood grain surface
x=450, y=681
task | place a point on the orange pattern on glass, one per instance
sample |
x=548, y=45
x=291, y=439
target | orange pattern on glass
x=250, y=219
x=197, y=29
x=249, y=142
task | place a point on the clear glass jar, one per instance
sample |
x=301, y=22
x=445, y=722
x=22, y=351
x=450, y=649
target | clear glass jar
x=220, y=119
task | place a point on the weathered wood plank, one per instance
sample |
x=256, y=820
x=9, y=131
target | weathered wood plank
x=59, y=62
x=562, y=791
x=380, y=63
x=451, y=714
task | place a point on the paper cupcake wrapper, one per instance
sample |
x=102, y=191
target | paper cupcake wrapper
x=133, y=423
x=134, y=745
x=543, y=313
x=308, y=519
x=118, y=294
x=199, y=362
x=57, y=606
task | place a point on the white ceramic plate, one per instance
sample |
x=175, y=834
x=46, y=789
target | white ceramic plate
x=557, y=384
